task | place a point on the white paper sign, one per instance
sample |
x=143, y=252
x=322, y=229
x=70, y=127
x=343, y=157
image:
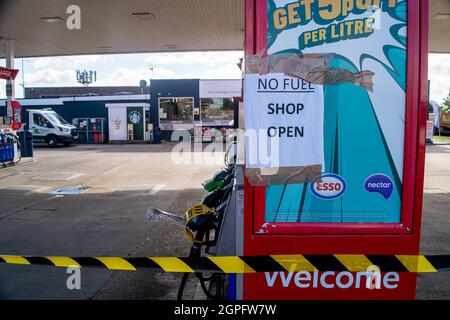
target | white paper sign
x=286, y=115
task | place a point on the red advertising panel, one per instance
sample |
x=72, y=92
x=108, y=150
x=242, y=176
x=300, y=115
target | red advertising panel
x=17, y=115
x=340, y=93
x=8, y=74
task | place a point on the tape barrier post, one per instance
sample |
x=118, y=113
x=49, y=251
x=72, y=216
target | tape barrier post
x=247, y=264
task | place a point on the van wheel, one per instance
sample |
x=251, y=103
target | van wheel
x=52, y=142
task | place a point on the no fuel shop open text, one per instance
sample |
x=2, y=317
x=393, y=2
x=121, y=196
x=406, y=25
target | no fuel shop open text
x=288, y=85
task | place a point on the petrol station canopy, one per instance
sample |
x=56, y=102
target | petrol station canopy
x=38, y=27
x=439, y=26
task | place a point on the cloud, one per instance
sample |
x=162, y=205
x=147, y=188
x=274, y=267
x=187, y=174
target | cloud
x=51, y=77
x=222, y=72
x=126, y=69
x=112, y=70
x=76, y=61
x=194, y=58
x=203, y=65
x=122, y=77
x=439, y=74
x=132, y=77
x=162, y=73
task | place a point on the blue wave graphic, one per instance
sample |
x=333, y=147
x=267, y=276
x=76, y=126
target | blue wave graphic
x=354, y=146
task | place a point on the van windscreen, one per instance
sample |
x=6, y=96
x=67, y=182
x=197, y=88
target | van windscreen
x=54, y=117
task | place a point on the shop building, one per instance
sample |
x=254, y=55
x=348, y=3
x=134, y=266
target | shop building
x=125, y=114
x=192, y=104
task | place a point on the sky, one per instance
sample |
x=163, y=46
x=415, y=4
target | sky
x=125, y=69
x=129, y=69
x=439, y=74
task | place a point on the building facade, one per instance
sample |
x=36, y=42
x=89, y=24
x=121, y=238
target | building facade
x=164, y=108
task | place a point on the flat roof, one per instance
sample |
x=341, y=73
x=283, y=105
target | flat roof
x=60, y=101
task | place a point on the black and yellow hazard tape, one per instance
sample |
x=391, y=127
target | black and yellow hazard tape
x=249, y=264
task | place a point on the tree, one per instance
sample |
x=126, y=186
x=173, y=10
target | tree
x=446, y=104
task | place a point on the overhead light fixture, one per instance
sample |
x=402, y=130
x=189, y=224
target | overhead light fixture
x=143, y=15
x=106, y=48
x=441, y=16
x=54, y=19
x=171, y=46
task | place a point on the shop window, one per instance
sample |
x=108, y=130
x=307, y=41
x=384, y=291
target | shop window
x=217, y=110
x=176, y=109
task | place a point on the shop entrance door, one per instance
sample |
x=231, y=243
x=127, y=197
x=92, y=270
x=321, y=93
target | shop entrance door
x=136, y=118
x=117, y=122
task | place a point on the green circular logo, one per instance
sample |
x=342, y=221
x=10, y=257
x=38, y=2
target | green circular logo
x=134, y=117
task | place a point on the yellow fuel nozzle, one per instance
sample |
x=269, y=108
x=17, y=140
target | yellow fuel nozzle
x=192, y=213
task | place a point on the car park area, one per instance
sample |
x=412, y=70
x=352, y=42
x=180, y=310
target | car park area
x=82, y=201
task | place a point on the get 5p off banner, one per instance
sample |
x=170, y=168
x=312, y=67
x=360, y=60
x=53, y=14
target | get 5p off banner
x=362, y=147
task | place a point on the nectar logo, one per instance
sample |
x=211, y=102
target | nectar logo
x=381, y=184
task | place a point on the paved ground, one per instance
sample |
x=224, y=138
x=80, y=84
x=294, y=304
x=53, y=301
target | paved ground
x=109, y=218
x=436, y=219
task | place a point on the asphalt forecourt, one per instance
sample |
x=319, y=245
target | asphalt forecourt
x=108, y=220
x=93, y=200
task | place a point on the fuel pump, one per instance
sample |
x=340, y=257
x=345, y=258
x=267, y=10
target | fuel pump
x=130, y=133
x=202, y=225
x=10, y=149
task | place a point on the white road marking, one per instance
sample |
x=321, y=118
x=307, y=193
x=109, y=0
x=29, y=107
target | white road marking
x=156, y=189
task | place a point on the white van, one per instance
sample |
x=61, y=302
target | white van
x=49, y=127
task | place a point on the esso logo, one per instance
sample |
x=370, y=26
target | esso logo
x=329, y=186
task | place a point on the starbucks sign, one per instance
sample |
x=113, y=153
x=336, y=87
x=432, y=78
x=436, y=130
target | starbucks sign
x=135, y=117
